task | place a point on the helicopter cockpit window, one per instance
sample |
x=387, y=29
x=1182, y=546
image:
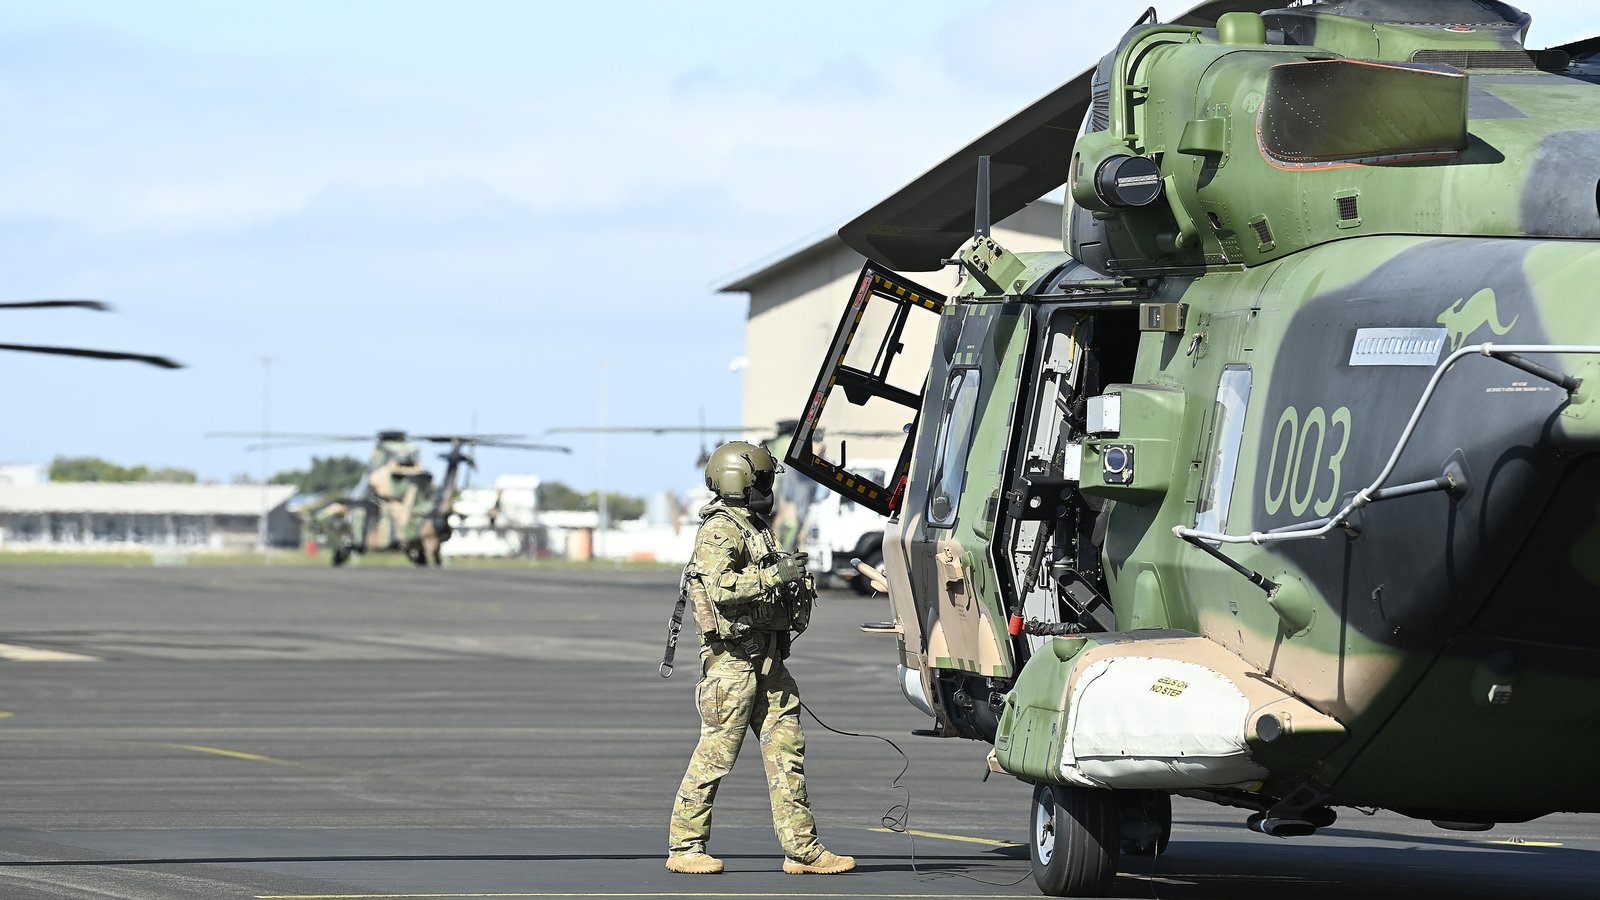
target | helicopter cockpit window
x=1227, y=433
x=955, y=434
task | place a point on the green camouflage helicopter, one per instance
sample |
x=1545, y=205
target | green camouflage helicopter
x=1280, y=488
x=398, y=506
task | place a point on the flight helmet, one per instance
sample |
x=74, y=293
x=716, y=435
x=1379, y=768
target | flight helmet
x=742, y=474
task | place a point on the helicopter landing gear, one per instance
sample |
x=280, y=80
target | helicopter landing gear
x=1074, y=840
x=1146, y=822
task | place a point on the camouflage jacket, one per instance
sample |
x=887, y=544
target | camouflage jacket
x=729, y=593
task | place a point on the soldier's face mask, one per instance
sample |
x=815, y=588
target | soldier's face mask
x=761, y=497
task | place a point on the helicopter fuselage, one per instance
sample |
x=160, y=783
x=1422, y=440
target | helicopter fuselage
x=1445, y=631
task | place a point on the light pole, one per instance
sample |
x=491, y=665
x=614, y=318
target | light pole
x=605, y=521
x=266, y=450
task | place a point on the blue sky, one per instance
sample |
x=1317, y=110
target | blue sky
x=436, y=216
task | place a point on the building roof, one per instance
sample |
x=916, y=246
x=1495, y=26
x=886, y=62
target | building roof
x=755, y=275
x=141, y=498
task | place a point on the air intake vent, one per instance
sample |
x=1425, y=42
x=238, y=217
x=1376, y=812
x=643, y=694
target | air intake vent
x=1348, y=209
x=1099, y=104
x=1544, y=60
x=1263, y=231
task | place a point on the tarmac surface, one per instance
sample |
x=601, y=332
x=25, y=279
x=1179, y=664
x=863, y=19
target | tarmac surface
x=172, y=733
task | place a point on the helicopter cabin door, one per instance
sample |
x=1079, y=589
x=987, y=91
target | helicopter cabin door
x=880, y=382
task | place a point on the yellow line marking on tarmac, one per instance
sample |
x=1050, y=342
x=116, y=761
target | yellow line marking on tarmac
x=634, y=894
x=19, y=653
x=940, y=836
x=231, y=754
x=6, y=715
x=1519, y=842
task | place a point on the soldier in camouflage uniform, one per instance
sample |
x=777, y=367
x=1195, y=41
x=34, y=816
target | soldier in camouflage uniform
x=747, y=599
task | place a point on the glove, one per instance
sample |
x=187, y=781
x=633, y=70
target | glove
x=788, y=570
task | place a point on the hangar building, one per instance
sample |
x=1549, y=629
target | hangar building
x=104, y=516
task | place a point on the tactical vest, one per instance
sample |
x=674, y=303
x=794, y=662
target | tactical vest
x=779, y=610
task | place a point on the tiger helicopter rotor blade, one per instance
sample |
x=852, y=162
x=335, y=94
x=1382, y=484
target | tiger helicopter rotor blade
x=159, y=361
x=923, y=223
x=292, y=445
x=654, y=429
x=519, y=445
x=290, y=436
x=96, y=305
x=288, y=440
x=465, y=438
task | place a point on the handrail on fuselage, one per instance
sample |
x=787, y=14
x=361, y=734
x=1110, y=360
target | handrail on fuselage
x=1320, y=527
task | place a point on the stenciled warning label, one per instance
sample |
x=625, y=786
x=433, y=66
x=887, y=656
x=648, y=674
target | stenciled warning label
x=1169, y=687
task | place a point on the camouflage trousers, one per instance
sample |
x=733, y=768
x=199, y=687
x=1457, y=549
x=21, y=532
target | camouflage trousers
x=733, y=696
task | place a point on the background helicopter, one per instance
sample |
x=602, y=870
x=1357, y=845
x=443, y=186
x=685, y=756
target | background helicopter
x=1241, y=498
x=398, y=506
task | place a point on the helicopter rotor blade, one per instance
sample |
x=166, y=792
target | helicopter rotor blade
x=519, y=445
x=159, y=361
x=96, y=305
x=288, y=440
x=290, y=436
x=291, y=445
x=654, y=429
x=465, y=438
x=924, y=222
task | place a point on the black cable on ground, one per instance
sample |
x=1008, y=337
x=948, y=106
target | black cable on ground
x=897, y=818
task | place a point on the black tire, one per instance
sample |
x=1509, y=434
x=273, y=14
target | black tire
x=1146, y=822
x=873, y=558
x=340, y=557
x=1074, y=840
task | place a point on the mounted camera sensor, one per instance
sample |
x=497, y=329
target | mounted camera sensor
x=1117, y=464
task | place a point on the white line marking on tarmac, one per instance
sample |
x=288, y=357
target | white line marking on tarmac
x=19, y=653
x=231, y=754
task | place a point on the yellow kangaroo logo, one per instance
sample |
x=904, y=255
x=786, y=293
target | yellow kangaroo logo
x=1466, y=316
